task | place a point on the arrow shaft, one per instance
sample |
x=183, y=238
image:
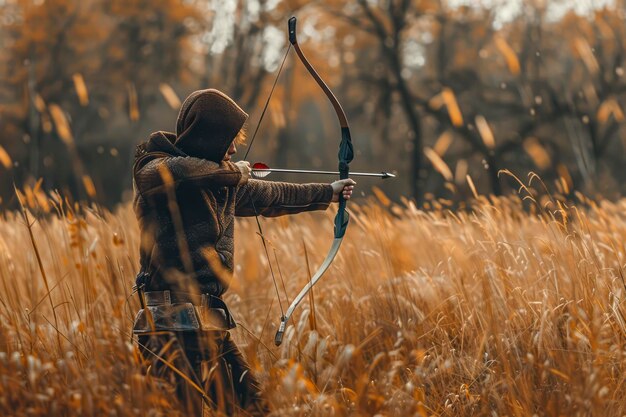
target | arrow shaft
x=308, y=171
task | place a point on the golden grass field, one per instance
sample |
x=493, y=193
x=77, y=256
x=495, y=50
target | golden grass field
x=494, y=311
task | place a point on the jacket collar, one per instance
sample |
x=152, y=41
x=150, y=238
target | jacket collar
x=161, y=142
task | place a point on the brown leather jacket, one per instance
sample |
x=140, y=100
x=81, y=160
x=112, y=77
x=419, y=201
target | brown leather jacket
x=186, y=208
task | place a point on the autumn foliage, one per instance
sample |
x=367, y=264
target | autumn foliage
x=438, y=93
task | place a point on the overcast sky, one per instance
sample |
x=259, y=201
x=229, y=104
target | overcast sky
x=506, y=10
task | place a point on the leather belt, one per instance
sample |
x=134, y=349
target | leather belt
x=167, y=297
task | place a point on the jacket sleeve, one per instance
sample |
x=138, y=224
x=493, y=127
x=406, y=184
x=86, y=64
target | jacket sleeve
x=154, y=175
x=271, y=199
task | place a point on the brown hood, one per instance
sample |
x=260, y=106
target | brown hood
x=207, y=124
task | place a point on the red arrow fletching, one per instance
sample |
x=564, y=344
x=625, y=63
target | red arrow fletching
x=265, y=170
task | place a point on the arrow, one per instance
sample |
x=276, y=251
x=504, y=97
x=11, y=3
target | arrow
x=260, y=170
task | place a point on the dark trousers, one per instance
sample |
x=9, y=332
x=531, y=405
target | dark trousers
x=207, y=361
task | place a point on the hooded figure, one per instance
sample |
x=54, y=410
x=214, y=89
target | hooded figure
x=207, y=124
x=187, y=194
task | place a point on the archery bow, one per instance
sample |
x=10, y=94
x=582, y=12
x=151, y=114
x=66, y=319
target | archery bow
x=345, y=155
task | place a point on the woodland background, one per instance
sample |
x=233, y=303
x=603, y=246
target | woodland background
x=445, y=93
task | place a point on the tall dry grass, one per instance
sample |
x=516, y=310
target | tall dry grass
x=494, y=311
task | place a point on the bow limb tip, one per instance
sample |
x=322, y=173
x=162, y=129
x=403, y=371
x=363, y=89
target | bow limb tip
x=292, y=30
x=278, y=339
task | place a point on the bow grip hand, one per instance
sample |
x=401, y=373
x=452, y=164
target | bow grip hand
x=342, y=189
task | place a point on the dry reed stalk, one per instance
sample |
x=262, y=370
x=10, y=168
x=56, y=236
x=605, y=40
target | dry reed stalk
x=514, y=307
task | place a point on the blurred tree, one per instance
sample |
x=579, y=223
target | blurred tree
x=489, y=95
x=594, y=91
x=242, y=47
x=72, y=69
x=437, y=90
x=432, y=62
x=39, y=66
x=387, y=22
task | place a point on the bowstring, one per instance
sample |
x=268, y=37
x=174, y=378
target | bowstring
x=267, y=102
x=256, y=213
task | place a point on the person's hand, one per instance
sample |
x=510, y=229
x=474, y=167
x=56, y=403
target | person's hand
x=343, y=187
x=246, y=171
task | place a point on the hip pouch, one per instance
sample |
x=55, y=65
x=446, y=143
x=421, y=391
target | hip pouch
x=178, y=311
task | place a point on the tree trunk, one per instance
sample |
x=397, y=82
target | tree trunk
x=492, y=169
x=413, y=118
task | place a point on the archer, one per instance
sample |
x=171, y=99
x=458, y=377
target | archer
x=187, y=193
